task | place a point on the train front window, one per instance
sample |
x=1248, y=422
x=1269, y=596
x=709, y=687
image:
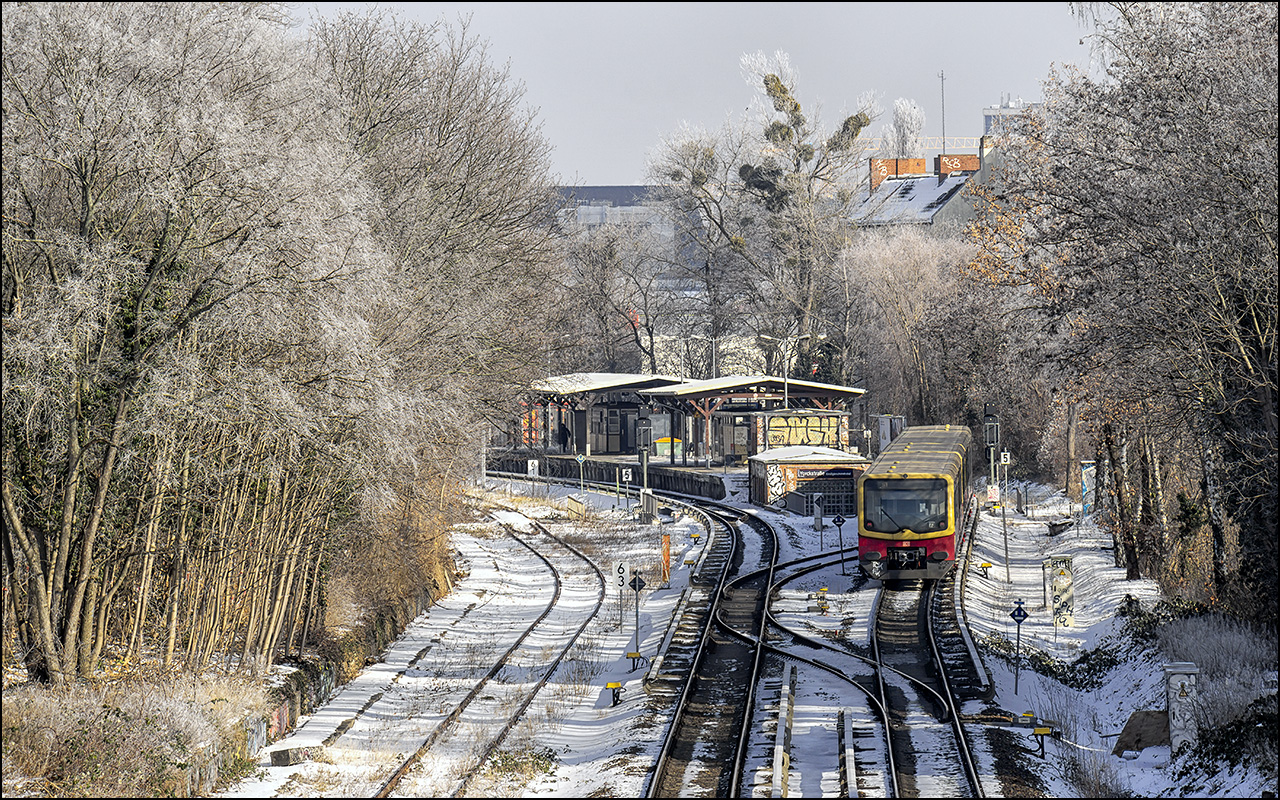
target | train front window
x=896, y=504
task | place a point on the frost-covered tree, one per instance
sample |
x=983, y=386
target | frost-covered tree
x=255, y=311
x=1136, y=222
x=906, y=274
x=174, y=197
x=901, y=137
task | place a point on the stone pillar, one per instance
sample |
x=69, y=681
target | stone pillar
x=1181, y=678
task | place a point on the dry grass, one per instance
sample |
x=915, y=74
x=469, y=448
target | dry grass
x=1234, y=662
x=128, y=739
x=582, y=665
x=1095, y=775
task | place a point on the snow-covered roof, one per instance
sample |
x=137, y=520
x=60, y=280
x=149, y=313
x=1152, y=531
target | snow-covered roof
x=806, y=453
x=747, y=383
x=577, y=382
x=907, y=200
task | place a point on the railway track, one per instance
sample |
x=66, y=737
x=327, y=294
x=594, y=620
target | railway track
x=844, y=752
x=913, y=653
x=704, y=750
x=481, y=720
x=911, y=668
x=925, y=727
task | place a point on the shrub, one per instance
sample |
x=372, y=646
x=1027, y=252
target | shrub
x=112, y=741
x=1143, y=624
x=1234, y=661
x=1250, y=739
x=524, y=763
x=135, y=739
x=1088, y=671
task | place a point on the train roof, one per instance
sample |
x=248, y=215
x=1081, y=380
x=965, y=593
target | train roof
x=947, y=436
x=926, y=450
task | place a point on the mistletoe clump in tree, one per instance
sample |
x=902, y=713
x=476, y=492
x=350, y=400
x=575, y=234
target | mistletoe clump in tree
x=765, y=203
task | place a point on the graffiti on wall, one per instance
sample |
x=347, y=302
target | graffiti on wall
x=814, y=431
x=775, y=482
x=782, y=478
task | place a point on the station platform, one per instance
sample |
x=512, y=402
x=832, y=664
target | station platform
x=696, y=480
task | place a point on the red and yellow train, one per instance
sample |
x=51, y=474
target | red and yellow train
x=912, y=501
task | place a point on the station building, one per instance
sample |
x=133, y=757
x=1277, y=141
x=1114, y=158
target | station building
x=694, y=425
x=791, y=477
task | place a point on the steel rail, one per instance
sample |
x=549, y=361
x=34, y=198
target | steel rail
x=957, y=726
x=664, y=754
x=398, y=775
x=739, y=761
x=875, y=664
x=882, y=691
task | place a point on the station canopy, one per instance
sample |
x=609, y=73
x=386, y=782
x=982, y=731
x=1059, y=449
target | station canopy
x=747, y=388
x=563, y=388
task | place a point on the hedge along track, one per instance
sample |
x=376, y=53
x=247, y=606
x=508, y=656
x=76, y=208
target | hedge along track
x=475, y=702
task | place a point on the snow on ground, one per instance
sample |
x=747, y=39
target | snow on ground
x=579, y=741
x=1090, y=719
x=590, y=747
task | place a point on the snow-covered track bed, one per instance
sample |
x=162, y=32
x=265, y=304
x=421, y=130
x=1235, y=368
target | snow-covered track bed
x=707, y=741
x=549, y=614
x=931, y=753
x=823, y=742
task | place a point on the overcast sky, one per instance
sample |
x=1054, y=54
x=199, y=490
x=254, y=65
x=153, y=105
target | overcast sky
x=610, y=80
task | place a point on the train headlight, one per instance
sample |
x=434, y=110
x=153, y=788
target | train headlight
x=938, y=555
x=871, y=555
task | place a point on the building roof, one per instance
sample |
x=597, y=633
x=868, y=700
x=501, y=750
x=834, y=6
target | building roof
x=605, y=195
x=823, y=455
x=908, y=200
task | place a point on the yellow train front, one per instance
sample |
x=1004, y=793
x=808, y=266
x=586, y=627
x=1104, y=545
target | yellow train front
x=912, y=501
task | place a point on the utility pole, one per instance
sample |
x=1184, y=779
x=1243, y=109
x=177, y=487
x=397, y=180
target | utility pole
x=943, y=79
x=991, y=437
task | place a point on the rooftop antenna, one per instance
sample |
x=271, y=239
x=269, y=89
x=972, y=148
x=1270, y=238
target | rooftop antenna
x=942, y=76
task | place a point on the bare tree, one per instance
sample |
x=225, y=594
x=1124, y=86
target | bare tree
x=901, y=135
x=907, y=275
x=767, y=198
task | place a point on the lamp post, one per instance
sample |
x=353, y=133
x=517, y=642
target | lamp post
x=786, y=364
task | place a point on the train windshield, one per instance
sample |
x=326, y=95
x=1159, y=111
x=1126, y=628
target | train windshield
x=897, y=504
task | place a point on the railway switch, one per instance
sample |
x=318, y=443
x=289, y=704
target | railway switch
x=1040, y=734
x=616, y=686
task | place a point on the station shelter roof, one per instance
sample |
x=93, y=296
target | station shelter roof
x=587, y=383
x=755, y=387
